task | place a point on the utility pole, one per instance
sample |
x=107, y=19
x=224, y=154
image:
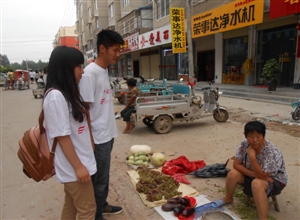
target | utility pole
x=26, y=64
x=189, y=41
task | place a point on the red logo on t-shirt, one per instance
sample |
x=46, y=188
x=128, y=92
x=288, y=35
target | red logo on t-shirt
x=81, y=129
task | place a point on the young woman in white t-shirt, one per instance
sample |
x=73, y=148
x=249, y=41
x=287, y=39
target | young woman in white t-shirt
x=66, y=120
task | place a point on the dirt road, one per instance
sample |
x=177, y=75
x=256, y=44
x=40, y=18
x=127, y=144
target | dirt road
x=204, y=139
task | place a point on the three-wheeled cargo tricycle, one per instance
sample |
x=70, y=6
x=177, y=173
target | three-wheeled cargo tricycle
x=21, y=79
x=161, y=111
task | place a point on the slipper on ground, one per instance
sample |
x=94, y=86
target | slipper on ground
x=219, y=203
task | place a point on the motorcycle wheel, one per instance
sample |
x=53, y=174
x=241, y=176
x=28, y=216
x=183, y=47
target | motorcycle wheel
x=222, y=117
x=296, y=114
x=20, y=88
x=163, y=124
x=148, y=122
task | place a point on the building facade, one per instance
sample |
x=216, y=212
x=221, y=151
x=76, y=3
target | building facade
x=66, y=36
x=145, y=27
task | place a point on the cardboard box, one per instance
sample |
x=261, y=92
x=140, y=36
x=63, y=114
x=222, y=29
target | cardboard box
x=229, y=162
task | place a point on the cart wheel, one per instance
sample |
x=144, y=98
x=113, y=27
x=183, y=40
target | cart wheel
x=222, y=117
x=35, y=96
x=148, y=122
x=163, y=124
x=120, y=100
x=296, y=114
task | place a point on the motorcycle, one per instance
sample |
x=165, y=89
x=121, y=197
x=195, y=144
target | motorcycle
x=211, y=102
x=296, y=110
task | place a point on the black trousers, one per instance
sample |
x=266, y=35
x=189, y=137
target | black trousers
x=126, y=113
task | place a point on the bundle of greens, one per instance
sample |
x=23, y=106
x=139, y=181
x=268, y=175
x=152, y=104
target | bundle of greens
x=156, y=185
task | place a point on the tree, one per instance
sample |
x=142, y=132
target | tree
x=4, y=60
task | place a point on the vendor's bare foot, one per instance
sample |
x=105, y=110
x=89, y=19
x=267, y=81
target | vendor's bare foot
x=126, y=130
x=130, y=129
x=227, y=200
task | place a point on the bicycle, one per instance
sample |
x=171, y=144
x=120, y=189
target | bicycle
x=6, y=85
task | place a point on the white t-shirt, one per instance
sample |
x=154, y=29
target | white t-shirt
x=59, y=121
x=95, y=88
x=40, y=80
x=31, y=74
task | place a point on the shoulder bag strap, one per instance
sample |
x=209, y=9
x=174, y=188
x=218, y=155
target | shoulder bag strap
x=42, y=128
x=90, y=128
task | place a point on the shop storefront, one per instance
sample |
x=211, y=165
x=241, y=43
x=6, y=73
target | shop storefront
x=233, y=21
x=127, y=58
x=152, y=61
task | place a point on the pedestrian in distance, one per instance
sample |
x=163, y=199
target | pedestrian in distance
x=95, y=89
x=31, y=75
x=36, y=76
x=259, y=166
x=130, y=105
x=66, y=119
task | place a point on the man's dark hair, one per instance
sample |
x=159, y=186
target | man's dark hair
x=131, y=82
x=255, y=126
x=108, y=38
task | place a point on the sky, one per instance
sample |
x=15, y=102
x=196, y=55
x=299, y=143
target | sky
x=28, y=27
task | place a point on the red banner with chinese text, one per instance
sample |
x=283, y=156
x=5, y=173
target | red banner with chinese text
x=281, y=8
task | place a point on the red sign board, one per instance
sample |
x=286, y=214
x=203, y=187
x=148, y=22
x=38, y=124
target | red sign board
x=281, y=8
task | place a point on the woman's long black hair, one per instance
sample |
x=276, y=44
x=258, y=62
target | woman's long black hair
x=62, y=63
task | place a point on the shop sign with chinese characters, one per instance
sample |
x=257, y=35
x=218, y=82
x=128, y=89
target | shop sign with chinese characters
x=234, y=15
x=281, y=8
x=131, y=43
x=156, y=37
x=178, y=30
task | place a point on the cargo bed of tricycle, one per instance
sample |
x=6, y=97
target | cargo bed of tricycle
x=161, y=111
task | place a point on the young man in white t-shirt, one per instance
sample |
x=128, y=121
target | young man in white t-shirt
x=95, y=89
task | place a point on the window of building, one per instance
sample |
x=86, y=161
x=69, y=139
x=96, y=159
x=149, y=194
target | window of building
x=162, y=8
x=148, y=1
x=90, y=28
x=111, y=10
x=125, y=3
x=91, y=45
x=83, y=37
x=82, y=21
x=235, y=54
x=89, y=11
x=97, y=23
x=96, y=4
x=195, y=2
x=80, y=6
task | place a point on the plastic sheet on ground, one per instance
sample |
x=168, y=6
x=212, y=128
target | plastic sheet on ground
x=201, y=200
x=185, y=189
